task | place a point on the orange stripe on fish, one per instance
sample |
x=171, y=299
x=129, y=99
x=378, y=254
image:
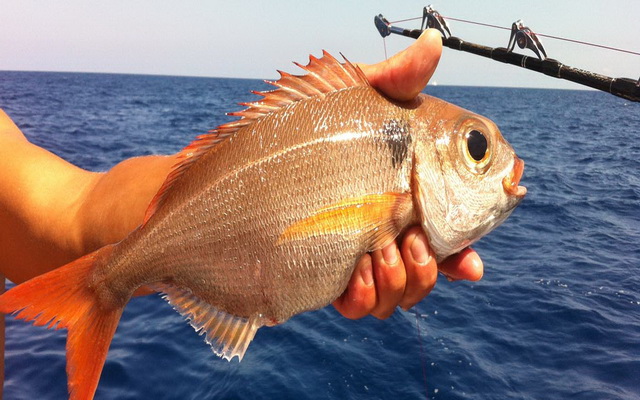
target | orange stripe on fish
x=379, y=215
x=63, y=299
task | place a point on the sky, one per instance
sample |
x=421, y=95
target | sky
x=251, y=39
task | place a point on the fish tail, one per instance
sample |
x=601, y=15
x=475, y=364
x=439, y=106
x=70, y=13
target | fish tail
x=63, y=298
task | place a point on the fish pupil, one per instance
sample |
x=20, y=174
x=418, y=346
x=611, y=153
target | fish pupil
x=477, y=145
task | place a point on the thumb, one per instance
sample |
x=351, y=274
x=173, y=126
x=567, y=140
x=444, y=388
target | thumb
x=405, y=75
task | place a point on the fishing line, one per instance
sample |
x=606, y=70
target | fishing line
x=384, y=43
x=539, y=34
x=405, y=20
x=480, y=23
x=423, y=360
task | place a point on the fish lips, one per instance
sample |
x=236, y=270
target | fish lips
x=510, y=183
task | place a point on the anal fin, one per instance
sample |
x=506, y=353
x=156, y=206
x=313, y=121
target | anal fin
x=227, y=334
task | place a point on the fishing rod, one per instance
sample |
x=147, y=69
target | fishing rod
x=525, y=38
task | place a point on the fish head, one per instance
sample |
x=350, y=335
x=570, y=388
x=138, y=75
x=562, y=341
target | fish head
x=466, y=175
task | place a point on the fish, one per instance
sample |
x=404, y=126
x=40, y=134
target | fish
x=266, y=216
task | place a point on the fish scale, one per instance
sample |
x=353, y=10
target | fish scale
x=348, y=173
x=265, y=217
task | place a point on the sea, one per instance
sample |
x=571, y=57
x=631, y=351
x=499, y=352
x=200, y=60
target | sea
x=556, y=315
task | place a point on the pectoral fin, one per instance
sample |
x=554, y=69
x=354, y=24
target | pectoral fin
x=380, y=216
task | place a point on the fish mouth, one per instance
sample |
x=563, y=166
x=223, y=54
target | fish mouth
x=511, y=181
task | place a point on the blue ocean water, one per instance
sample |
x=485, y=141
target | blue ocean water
x=556, y=316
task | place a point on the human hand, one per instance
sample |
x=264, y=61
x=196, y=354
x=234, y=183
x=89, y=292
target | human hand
x=402, y=276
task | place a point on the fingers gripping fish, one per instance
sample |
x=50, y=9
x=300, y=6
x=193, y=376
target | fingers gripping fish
x=266, y=216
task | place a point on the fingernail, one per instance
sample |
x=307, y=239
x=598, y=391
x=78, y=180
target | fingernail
x=366, y=273
x=390, y=254
x=419, y=251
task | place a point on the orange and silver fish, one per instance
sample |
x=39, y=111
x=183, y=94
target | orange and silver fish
x=265, y=217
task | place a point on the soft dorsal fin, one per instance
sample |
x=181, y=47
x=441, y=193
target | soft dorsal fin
x=324, y=75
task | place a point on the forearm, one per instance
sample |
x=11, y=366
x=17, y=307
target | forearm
x=39, y=196
x=117, y=201
x=52, y=212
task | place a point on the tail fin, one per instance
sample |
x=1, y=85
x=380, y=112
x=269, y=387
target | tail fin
x=63, y=299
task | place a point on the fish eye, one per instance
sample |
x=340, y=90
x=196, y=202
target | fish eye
x=477, y=145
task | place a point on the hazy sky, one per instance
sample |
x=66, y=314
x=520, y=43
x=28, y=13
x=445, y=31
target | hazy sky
x=251, y=39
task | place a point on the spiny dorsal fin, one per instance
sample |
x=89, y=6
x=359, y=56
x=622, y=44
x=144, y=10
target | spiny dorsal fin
x=324, y=75
x=228, y=335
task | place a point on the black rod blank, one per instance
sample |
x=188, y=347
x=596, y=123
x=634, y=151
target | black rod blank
x=622, y=87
